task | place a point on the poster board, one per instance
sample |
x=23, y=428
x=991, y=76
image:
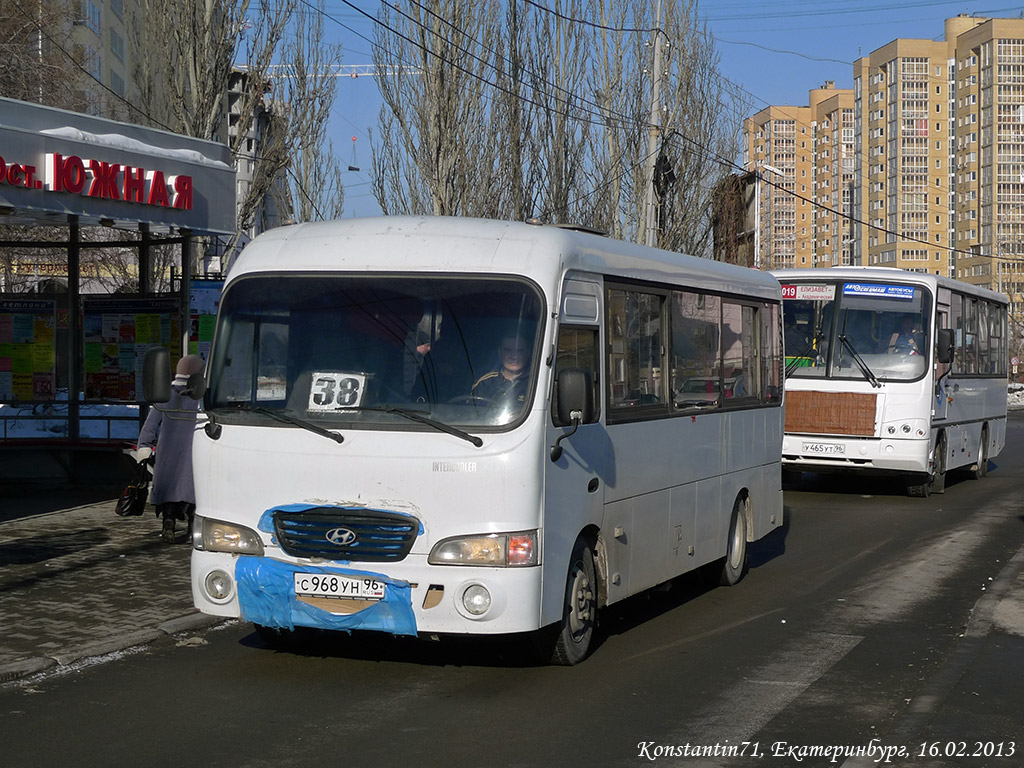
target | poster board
x=203, y=304
x=116, y=334
x=28, y=345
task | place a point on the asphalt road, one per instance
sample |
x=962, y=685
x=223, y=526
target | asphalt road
x=860, y=620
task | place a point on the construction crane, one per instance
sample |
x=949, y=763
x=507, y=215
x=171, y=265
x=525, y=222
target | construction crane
x=345, y=70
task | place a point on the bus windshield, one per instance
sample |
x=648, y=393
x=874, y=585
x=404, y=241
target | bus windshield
x=372, y=352
x=871, y=330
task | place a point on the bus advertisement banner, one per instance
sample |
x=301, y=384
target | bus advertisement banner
x=888, y=291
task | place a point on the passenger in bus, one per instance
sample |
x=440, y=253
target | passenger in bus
x=507, y=384
x=796, y=340
x=906, y=341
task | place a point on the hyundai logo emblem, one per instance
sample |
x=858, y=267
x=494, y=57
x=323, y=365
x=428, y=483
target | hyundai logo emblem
x=340, y=537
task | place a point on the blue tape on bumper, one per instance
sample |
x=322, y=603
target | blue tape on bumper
x=266, y=594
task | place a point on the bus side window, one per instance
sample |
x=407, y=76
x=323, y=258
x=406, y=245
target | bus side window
x=577, y=348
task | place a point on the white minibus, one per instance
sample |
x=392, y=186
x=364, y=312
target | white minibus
x=892, y=372
x=422, y=426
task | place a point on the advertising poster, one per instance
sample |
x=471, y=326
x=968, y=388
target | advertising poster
x=205, y=299
x=116, y=333
x=28, y=343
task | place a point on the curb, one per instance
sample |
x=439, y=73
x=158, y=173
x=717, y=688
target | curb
x=65, y=657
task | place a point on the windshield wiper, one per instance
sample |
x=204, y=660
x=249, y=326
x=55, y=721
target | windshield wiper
x=287, y=419
x=422, y=419
x=868, y=374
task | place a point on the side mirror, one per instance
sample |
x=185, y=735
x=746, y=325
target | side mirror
x=574, y=403
x=156, y=375
x=575, y=387
x=945, y=342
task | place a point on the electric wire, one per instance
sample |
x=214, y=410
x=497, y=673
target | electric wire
x=951, y=250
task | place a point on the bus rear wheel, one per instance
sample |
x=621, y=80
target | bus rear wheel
x=579, y=612
x=733, y=566
x=981, y=469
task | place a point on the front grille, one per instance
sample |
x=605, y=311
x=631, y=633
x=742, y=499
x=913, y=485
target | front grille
x=339, y=533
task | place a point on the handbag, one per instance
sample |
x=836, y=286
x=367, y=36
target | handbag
x=132, y=502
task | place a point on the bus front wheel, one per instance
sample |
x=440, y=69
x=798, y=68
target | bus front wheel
x=921, y=486
x=579, y=612
x=278, y=638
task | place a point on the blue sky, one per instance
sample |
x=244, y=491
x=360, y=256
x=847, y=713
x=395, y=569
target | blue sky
x=776, y=51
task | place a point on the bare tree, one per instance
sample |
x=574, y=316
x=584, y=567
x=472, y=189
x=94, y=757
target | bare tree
x=39, y=66
x=703, y=113
x=559, y=54
x=38, y=55
x=620, y=101
x=439, y=156
x=191, y=49
x=562, y=94
x=191, y=82
x=306, y=96
x=517, y=185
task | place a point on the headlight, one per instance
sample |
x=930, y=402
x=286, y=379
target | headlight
x=218, y=536
x=497, y=549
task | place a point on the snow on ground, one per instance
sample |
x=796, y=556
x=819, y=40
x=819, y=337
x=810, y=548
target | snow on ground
x=49, y=420
x=1015, y=396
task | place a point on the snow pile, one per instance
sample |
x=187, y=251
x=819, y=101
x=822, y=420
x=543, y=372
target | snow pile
x=1015, y=396
x=49, y=420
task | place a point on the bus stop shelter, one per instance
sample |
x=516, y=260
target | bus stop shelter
x=68, y=357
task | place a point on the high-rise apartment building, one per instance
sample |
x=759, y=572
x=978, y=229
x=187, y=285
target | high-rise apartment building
x=987, y=72
x=102, y=42
x=834, y=175
x=801, y=154
x=904, y=128
x=923, y=170
x=778, y=149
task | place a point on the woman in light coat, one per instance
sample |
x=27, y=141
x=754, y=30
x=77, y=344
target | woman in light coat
x=173, y=492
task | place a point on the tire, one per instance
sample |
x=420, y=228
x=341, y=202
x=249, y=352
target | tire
x=277, y=638
x=981, y=469
x=734, y=565
x=579, y=611
x=939, y=478
x=919, y=490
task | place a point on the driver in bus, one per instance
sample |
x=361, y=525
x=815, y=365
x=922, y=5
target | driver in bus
x=509, y=382
x=905, y=341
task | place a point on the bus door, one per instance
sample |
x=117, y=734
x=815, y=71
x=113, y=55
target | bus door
x=940, y=398
x=575, y=485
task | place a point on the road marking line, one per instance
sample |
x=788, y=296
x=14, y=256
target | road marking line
x=739, y=712
x=922, y=707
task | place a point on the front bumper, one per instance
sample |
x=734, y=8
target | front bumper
x=419, y=598
x=858, y=454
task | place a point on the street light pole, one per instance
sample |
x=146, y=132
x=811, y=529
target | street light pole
x=651, y=218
